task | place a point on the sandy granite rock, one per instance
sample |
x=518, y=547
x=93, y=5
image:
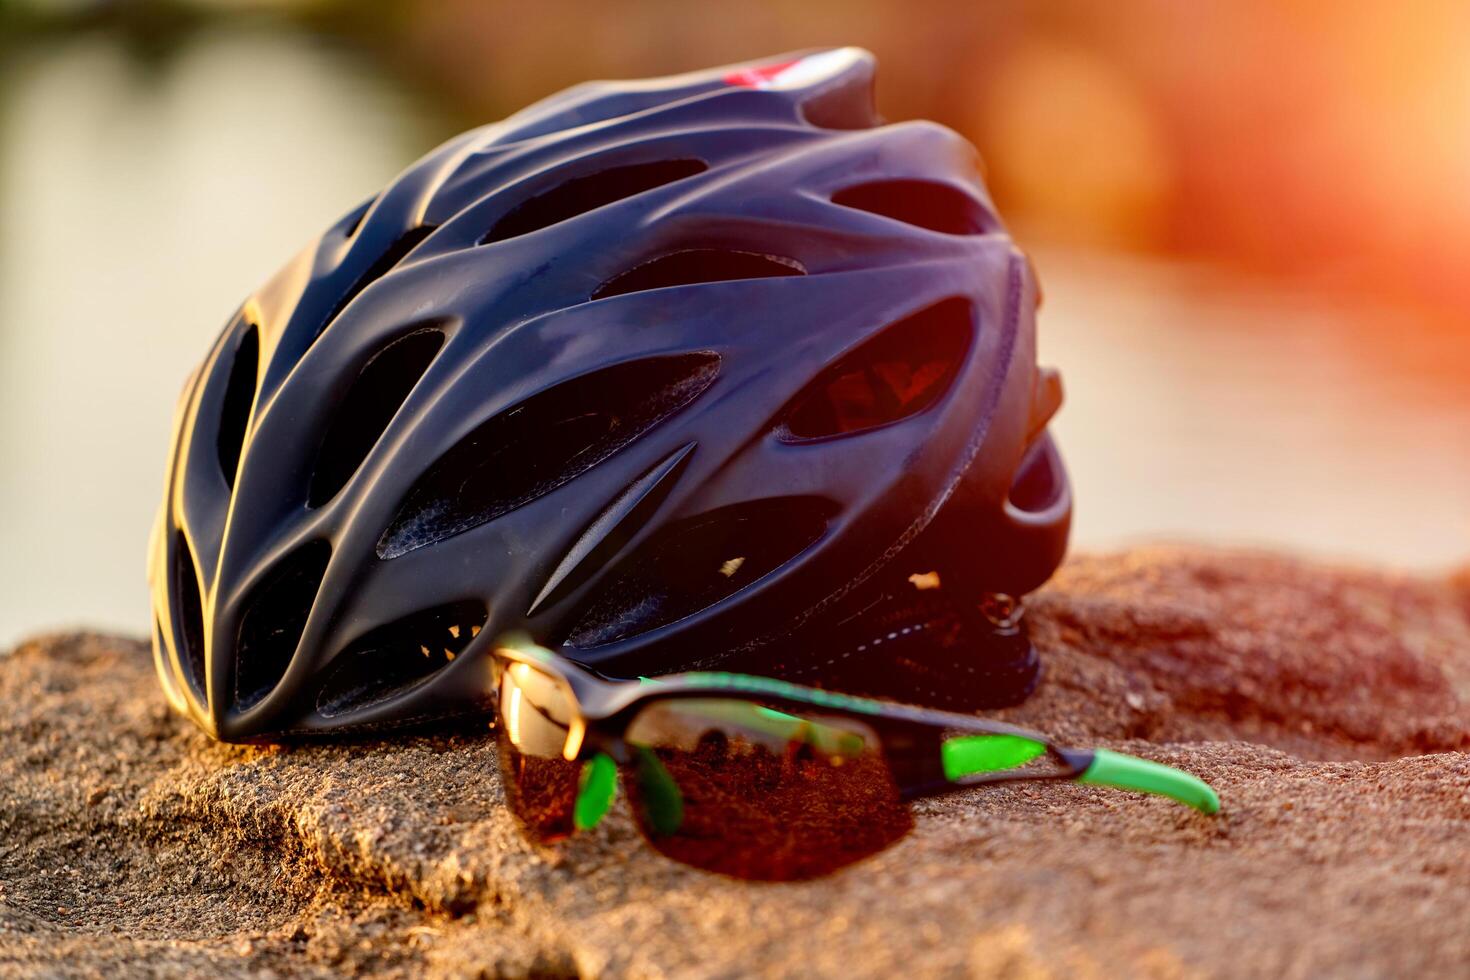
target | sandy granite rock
x=1331, y=709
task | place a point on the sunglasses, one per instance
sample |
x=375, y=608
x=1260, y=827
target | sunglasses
x=758, y=778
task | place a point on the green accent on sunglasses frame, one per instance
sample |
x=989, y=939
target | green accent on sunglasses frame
x=969, y=755
x=769, y=685
x=596, y=787
x=662, y=801
x=1140, y=775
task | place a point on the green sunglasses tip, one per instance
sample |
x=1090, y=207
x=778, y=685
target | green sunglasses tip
x=1121, y=771
x=595, y=789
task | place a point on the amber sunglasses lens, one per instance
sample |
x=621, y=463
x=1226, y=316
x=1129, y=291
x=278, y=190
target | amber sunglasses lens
x=733, y=787
x=534, y=714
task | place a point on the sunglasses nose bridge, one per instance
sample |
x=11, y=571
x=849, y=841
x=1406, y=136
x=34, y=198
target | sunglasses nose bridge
x=592, y=741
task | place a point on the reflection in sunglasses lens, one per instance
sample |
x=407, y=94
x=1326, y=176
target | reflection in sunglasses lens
x=540, y=785
x=730, y=786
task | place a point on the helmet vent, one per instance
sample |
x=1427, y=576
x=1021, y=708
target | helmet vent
x=395, y=254
x=239, y=397
x=899, y=373
x=275, y=615
x=696, y=265
x=161, y=663
x=368, y=408
x=395, y=658
x=924, y=203
x=545, y=441
x=613, y=528
x=583, y=194
x=188, y=614
x=696, y=562
x=1038, y=483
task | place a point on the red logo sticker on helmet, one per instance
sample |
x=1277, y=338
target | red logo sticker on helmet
x=795, y=74
x=758, y=77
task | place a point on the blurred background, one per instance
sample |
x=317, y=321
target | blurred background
x=1250, y=218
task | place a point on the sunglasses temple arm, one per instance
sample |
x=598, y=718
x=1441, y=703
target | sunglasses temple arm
x=1000, y=755
x=1103, y=767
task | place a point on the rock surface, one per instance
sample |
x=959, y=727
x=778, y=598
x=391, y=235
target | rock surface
x=1330, y=708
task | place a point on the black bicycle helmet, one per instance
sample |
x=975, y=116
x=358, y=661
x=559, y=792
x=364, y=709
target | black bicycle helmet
x=708, y=369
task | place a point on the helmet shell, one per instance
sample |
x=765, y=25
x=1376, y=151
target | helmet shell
x=657, y=370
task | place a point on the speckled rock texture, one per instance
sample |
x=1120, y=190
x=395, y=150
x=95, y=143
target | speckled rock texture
x=1331, y=709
